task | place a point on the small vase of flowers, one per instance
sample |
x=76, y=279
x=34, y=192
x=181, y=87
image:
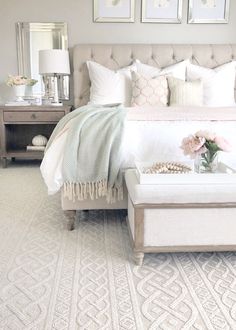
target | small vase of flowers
x=19, y=83
x=204, y=147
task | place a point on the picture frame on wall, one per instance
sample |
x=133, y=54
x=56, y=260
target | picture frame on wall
x=121, y=11
x=162, y=11
x=208, y=11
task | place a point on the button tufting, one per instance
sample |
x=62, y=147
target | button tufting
x=212, y=57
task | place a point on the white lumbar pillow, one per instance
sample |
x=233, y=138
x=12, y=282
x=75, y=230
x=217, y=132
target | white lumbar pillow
x=185, y=93
x=218, y=83
x=177, y=70
x=108, y=86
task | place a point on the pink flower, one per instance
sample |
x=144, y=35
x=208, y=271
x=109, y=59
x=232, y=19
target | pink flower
x=209, y=136
x=16, y=80
x=193, y=145
x=222, y=144
x=203, y=141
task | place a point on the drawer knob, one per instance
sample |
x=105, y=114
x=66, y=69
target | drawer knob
x=33, y=116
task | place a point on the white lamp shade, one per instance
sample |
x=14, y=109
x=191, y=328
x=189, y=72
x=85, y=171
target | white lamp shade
x=54, y=61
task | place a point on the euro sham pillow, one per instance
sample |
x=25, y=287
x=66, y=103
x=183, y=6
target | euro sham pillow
x=109, y=86
x=218, y=83
x=148, y=91
x=185, y=93
x=177, y=70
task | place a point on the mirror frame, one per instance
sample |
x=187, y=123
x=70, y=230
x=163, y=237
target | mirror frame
x=23, y=30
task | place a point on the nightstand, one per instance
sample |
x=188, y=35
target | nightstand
x=18, y=125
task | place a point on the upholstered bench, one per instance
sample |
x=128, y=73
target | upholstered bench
x=178, y=218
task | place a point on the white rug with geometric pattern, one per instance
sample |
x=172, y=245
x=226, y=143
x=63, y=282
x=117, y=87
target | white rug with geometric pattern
x=54, y=279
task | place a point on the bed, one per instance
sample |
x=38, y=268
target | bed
x=120, y=55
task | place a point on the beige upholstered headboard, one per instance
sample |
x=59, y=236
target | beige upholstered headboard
x=120, y=55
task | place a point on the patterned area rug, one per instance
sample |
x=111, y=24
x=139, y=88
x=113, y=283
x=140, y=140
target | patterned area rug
x=54, y=279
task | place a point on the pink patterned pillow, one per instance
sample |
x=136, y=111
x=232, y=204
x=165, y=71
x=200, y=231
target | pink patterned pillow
x=149, y=91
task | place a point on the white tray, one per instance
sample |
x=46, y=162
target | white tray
x=224, y=175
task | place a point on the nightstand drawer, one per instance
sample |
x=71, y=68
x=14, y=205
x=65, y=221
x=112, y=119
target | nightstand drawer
x=33, y=116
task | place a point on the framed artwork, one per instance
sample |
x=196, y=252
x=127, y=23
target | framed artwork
x=161, y=11
x=114, y=10
x=208, y=11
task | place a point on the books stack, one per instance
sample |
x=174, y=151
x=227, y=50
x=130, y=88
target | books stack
x=35, y=148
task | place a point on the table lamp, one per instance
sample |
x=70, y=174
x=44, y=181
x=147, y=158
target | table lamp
x=54, y=62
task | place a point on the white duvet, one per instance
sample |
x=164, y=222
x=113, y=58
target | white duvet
x=152, y=135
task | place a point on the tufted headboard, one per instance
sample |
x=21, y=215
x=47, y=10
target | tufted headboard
x=115, y=56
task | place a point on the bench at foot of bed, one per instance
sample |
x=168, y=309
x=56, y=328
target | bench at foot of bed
x=180, y=218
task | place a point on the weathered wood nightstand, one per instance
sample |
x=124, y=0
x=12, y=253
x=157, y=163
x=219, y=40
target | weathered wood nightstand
x=18, y=125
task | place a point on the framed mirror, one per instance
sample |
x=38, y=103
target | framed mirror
x=32, y=37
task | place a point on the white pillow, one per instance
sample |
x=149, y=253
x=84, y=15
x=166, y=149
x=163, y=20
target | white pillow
x=177, y=70
x=108, y=86
x=185, y=93
x=218, y=83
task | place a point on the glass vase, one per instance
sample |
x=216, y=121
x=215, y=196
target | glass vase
x=206, y=162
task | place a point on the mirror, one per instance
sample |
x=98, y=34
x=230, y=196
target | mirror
x=31, y=37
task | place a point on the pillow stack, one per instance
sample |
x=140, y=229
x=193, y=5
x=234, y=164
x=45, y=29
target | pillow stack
x=150, y=85
x=218, y=84
x=181, y=84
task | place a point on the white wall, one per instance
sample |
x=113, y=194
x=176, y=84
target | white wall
x=78, y=15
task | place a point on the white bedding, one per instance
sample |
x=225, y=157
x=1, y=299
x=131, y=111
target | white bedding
x=152, y=135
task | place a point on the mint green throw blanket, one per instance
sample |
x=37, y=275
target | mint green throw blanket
x=92, y=156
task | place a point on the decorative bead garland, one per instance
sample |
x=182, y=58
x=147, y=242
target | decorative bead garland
x=167, y=168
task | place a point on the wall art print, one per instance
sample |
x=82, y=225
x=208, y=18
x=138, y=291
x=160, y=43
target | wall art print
x=208, y=11
x=161, y=11
x=114, y=10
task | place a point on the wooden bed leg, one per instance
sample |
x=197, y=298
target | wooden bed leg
x=138, y=258
x=4, y=162
x=70, y=219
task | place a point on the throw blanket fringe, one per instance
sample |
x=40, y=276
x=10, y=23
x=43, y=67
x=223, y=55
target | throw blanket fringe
x=92, y=158
x=93, y=190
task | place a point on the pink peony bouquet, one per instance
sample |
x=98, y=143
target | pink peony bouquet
x=204, y=143
x=20, y=80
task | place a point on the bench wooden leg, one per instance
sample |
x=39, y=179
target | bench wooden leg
x=138, y=235
x=70, y=219
x=138, y=258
